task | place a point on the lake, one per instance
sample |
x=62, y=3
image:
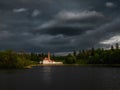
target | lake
x=61, y=78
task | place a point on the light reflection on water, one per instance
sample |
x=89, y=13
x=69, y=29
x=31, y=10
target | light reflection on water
x=47, y=74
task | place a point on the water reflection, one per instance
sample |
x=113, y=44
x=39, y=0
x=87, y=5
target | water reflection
x=61, y=78
x=47, y=74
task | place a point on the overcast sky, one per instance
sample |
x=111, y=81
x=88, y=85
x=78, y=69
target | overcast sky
x=58, y=25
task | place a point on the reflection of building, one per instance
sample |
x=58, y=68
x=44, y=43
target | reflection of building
x=47, y=60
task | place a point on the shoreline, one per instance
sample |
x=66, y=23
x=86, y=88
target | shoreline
x=82, y=65
x=79, y=65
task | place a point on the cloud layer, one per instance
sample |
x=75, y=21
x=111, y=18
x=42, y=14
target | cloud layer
x=58, y=25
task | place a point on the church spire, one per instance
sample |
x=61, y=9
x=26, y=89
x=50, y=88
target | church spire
x=48, y=55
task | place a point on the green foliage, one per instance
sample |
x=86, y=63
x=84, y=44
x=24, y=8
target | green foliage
x=11, y=59
x=100, y=56
x=35, y=57
x=70, y=59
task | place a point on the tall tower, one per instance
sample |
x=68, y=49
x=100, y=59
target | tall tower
x=49, y=55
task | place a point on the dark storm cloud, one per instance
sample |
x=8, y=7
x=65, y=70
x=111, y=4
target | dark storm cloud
x=57, y=25
x=72, y=23
x=64, y=30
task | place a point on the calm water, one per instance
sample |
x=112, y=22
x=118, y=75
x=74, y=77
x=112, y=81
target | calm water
x=61, y=78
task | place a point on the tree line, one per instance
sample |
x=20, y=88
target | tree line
x=12, y=59
x=96, y=56
x=92, y=56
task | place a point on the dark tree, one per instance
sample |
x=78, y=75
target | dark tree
x=117, y=46
x=112, y=48
x=75, y=53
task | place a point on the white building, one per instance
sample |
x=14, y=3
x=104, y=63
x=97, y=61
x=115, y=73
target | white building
x=47, y=60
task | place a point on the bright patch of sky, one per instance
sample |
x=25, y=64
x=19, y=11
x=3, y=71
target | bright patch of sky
x=112, y=40
x=19, y=10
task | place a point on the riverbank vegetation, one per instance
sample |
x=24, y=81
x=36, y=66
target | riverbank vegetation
x=92, y=56
x=11, y=59
x=95, y=56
